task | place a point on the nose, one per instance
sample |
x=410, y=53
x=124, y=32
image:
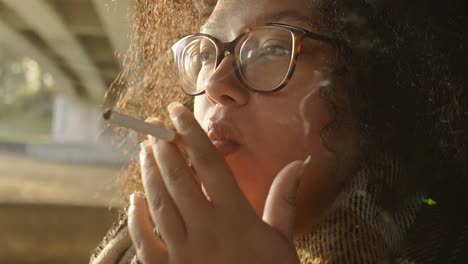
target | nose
x=223, y=87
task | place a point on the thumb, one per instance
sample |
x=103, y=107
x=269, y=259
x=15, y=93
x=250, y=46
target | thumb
x=280, y=205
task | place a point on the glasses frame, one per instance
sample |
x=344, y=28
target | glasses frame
x=224, y=49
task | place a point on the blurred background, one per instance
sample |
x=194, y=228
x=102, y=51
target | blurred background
x=58, y=173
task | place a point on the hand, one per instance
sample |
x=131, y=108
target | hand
x=194, y=229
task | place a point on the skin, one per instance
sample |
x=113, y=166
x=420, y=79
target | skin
x=255, y=203
x=274, y=123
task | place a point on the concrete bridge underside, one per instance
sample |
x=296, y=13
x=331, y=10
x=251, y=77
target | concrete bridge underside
x=79, y=42
x=78, y=39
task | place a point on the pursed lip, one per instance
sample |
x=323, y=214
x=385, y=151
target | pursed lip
x=223, y=137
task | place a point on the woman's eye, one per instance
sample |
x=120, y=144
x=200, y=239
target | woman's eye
x=275, y=50
x=207, y=55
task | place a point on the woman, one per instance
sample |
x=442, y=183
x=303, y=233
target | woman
x=322, y=132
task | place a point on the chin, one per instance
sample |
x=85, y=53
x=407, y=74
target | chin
x=253, y=179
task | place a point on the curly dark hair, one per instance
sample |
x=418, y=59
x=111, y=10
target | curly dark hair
x=410, y=59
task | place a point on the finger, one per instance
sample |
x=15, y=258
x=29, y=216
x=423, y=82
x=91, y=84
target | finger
x=149, y=248
x=179, y=181
x=280, y=205
x=207, y=163
x=162, y=209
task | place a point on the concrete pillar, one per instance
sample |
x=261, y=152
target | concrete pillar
x=75, y=121
x=76, y=136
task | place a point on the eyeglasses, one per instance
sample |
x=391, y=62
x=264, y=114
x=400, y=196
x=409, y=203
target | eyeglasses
x=265, y=57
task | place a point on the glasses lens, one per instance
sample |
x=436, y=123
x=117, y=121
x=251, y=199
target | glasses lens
x=265, y=57
x=195, y=59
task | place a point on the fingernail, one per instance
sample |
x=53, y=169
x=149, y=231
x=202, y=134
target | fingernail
x=152, y=119
x=134, y=197
x=153, y=140
x=175, y=109
x=143, y=147
x=304, y=165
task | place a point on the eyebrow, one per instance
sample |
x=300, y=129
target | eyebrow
x=282, y=15
x=287, y=14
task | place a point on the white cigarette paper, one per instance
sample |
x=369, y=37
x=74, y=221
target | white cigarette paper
x=138, y=125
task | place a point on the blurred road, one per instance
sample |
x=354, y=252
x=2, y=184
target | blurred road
x=27, y=180
x=53, y=212
x=51, y=234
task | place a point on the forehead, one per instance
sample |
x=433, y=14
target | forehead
x=231, y=16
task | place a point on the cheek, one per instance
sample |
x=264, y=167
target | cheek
x=286, y=131
x=277, y=114
x=300, y=117
x=315, y=114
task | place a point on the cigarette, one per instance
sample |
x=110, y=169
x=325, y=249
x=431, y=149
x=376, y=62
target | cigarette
x=139, y=125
